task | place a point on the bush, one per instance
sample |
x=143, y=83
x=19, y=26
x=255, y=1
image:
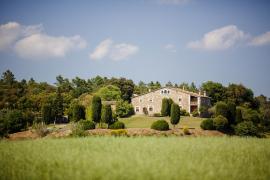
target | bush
x=157, y=115
x=160, y=125
x=14, y=121
x=246, y=128
x=183, y=112
x=78, y=112
x=195, y=113
x=220, y=123
x=29, y=117
x=77, y=130
x=175, y=114
x=96, y=109
x=221, y=109
x=119, y=132
x=207, y=124
x=124, y=109
x=117, y=125
x=186, y=130
x=204, y=111
x=40, y=129
x=87, y=125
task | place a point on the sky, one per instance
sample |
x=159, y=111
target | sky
x=150, y=40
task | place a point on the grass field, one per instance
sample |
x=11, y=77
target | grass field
x=141, y=121
x=136, y=158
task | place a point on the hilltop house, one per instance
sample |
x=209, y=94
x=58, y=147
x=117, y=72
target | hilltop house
x=152, y=101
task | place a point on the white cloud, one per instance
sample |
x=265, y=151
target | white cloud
x=173, y=2
x=122, y=51
x=170, y=47
x=101, y=50
x=41, y=46
x=261, y=40
x=219, y=39
x=12, y=31
x=31, y=42
x=113, y=51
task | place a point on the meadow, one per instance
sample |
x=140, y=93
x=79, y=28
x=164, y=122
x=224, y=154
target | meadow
x=136, y=158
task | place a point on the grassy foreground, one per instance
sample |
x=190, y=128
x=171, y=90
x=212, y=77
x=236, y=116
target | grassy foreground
x=136, y=158
x=142, y=121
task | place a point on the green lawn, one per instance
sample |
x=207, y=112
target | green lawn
x=142, y=121
x=136, y=158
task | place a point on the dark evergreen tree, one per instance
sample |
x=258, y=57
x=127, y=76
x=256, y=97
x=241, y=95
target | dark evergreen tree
x=58, y=105
x=78, y=112
x=175, y=114
x=106, y=115
x=238, y=115
x=165, y=107
x=221, y=109
x=231, y=112
x=47, y=114
x=170, y=101
x=96, y=109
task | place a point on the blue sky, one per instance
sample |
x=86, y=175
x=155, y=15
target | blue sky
x=159, y=40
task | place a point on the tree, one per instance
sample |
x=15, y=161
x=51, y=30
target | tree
x=238, y=115
x=175, y=114
x=126, y=87
x=8, y=78
x=165, y=107
x=169, y=84
x=46, y=112
x=58, y=105
x=96, y=109
x=220, y=123
x=240, y=95
x=124, y=109
x=106, y=115
x=221, y=109
x=215, y=91
x=78, y=112
x=231, y=112
x=170, y=104
x=109, y=93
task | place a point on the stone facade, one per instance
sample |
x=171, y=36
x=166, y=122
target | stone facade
x=152, y=101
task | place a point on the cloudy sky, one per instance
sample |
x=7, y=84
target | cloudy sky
x=165, y=40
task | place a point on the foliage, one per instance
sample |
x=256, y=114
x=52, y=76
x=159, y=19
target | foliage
x=29, y=117
x=207, y=124
x=183, y=112
x=78, y=112
x=231, y=107
x=13, y=121
x=117, y=125
x=126, y=87
x=221, y=108
x=58, y=106
x=109, y=93
x=186, y=130
x=204, y=111
x=160, y=125
x=216, y=91
x=239, y=95
x=251, y=115
x=157, y=115
x=106, y=115
x=124, y=109
x=220, y=123
x=195, y=113
x=246, y=128
x=96, y=109
x=47, y=114
x=238, y=115
x=40, y=129
x=87, y=125
x=165, y=107
x=119, y=132
x=175, y=114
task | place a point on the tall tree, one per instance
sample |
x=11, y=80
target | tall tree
x=8, y=78
x=215, y=91
x=58, y=105
x=106, y=115
x=165, y=107
x=175, y=114
x=96, y=109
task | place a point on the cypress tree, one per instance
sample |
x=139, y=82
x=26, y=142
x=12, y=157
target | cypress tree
x=78, y=112
x=165, y=107
x=96, y=109
x=175, y=114
x=46, y=113
x=170, y=101
x=231, y=112
x=106, y=115
x=238, y=115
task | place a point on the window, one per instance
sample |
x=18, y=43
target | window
x=168, y=92
x=165, y=91
x=137, y=109
x=140, y=100
x=151, y=100
x=180, y=99
x=150, y=108
x=162, y=92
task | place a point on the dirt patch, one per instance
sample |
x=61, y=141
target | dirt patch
x=23, y=135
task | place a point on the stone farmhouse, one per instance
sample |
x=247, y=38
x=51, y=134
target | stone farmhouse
x=152, y=101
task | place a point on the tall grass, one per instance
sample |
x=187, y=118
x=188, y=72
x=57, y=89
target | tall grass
x=136, y=158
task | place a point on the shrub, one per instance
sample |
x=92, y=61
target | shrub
x=186, y=130
x=204, y=112
x=96, y=109
x=220, y=123
x=119, y=132
x=246, y=128
x=117, y=125
x=87, y=125
x=207, y=124
x=77, y=130
x=195, y=113
x=78, y=112
x=183, y=112
x=29, y=117
x=160, y=125
x=251, y=115
x=14, y=121
x=124, y=109
x=106, y=115
x=221, y=109
x=145, y=111
x=165, y=107
x=157, y=115
x=175, y=114
x=40, y=129
x=109, y=93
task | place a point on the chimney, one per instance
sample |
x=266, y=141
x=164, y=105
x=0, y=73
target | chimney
x=204, y=93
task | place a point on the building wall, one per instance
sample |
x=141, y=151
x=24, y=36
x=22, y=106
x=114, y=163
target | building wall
x=153, y=100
